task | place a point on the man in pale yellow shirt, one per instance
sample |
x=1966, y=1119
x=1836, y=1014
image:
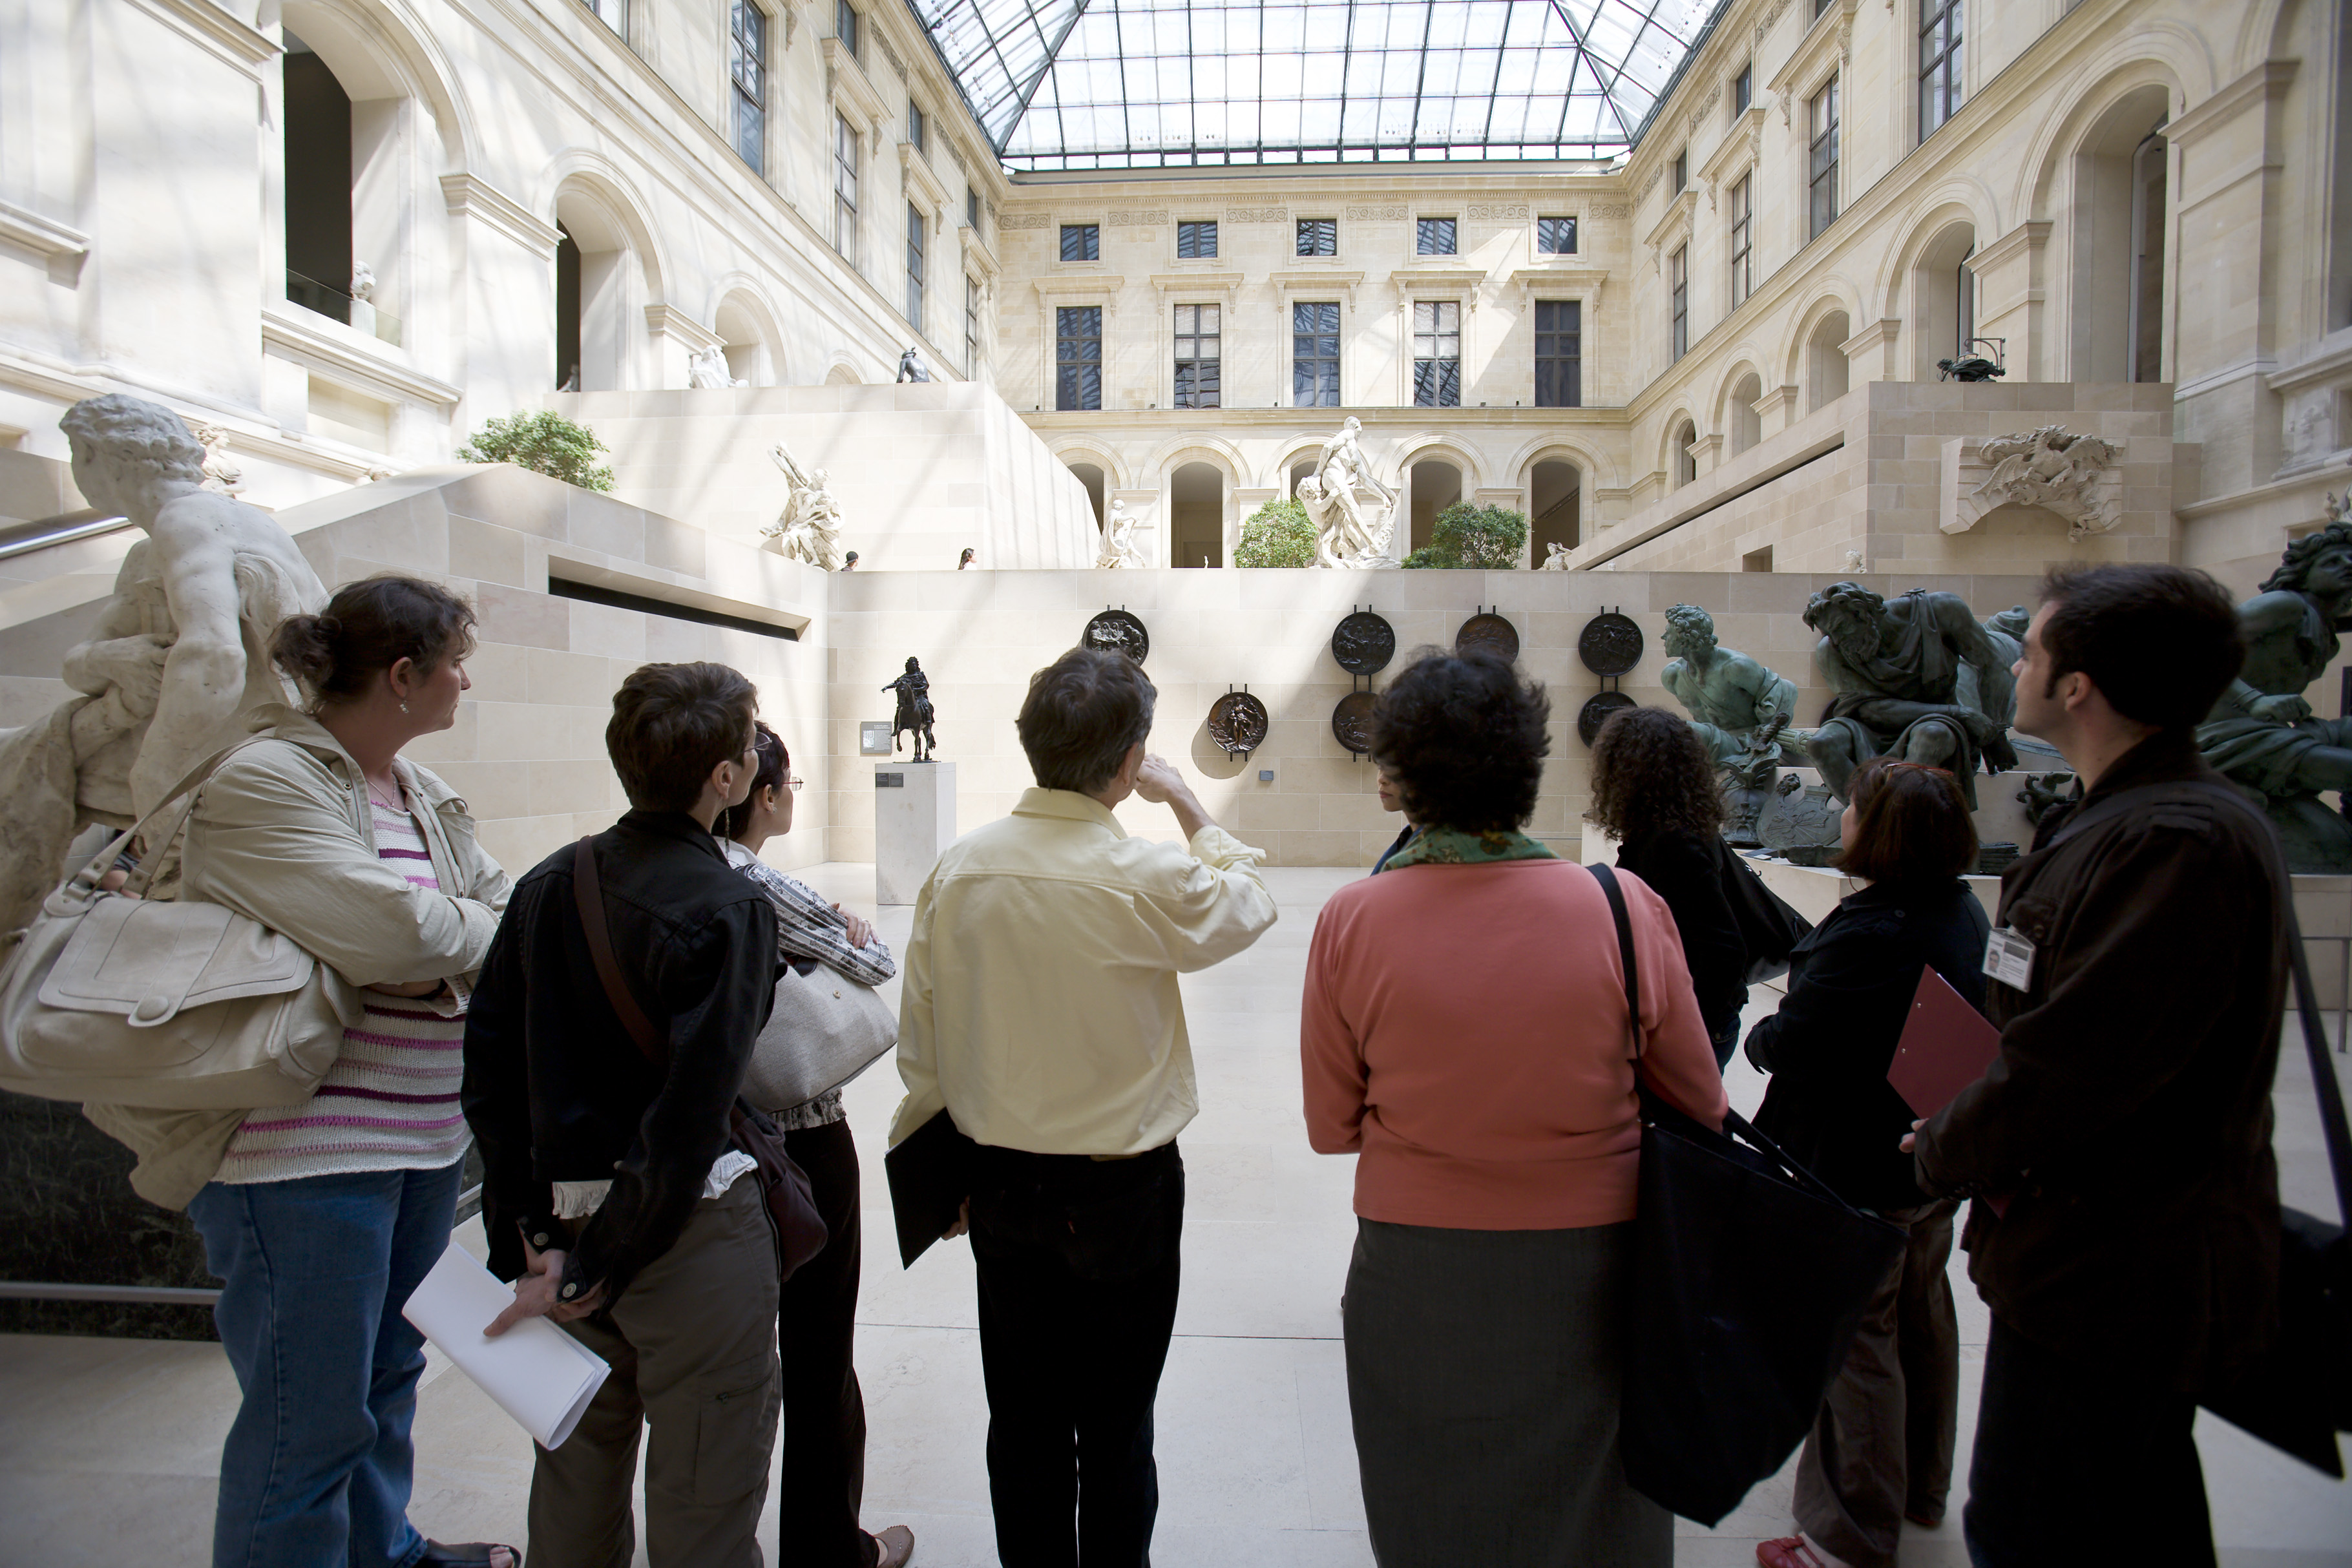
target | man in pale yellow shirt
x=1041, y=1011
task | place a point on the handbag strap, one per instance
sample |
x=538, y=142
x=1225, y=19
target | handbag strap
x=1653, y=1104
x=89, y=874
x=589, y=893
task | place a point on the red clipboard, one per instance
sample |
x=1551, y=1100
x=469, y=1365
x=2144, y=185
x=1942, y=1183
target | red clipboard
x=1946, y=1045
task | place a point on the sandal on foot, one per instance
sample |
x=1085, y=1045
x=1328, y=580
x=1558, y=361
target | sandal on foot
x=467, y=1554
x=1790, y=1551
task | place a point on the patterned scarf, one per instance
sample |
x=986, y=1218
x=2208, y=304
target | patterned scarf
x=1452, y=846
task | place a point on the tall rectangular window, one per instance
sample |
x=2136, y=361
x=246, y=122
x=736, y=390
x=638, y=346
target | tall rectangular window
x=1078, y=356
x=1196, y=242
x=914, y=267
x=1821, y=5
x=1743, y=239
x=1678, y=302
x=1939, y=63
x=1555, y=237
x=747, y=67
x=1743, y=89
x=970, y=328
x=1437, y=353
x=844, y=188
x=845, y=25
x=971, y=207
x=613, y=14
x=1681, y=173
x=917, y=130
x=1315, y=355
x=1196, y=356
x=1081, y=242
x=1822, y=114
x=1560, y=353
x=1433, y=237
x=1319, y=236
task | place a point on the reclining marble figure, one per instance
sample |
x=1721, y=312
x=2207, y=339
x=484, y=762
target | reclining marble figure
x=2263, y=733
x=173, y=662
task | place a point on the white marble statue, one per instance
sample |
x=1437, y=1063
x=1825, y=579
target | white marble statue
x=2051, y=468
x=1350, y=532
x=1555, y=557
x=1118, y=539
x=222, y=474
x=707, y=368
x=809, y=527
x=173, y=660
x=363, y=283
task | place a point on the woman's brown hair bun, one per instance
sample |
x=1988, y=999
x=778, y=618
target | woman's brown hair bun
x=368, y=627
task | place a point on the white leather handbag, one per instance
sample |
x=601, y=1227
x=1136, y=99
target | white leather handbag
x=176, y=1004
x=824, y=1029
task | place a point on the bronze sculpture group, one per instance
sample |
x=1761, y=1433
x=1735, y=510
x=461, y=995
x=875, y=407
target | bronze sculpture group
x=914, y=689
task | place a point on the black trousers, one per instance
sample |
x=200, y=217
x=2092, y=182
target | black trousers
x=1078, y=1261
x=2075, y=1464
x=824, y=1477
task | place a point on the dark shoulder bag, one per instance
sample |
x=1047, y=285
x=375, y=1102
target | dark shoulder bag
x=800, y=1230
x=1748, y=1277
x=1768, y=928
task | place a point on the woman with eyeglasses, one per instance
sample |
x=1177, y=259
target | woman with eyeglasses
x=1881, y=1449
x=822, y=1482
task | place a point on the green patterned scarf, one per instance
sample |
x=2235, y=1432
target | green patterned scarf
x=1452, y=846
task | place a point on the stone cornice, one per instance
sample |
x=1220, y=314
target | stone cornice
x=915, y=174
x=668, y=321
x=977, y=255
x=1674, y=225
x=1221, y=283
x=283, y=327
x=1079, y=287
x=467, y=195
x=20, y=226
x=2269, y=79
x=2028, y=237
x=1827, y=46
x=1736, y=152
x=2325, y=365
x=850, y=85
x=215, y=31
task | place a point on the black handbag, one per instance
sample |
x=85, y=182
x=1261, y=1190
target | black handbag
x=1768, y=928
x=1748, y=1277
x=800, y=1229
x=2297, y=1395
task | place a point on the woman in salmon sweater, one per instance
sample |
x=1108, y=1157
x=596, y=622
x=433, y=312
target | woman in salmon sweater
x=1463, y=1032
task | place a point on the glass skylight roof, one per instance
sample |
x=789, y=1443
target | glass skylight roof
x=1118, y=84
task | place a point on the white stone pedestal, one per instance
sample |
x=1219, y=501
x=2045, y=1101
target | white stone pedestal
x=914, y=819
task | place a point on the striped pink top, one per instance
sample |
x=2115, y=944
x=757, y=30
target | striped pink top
x=390, y=1102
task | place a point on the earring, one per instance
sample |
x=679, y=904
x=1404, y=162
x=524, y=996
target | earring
x=403, y=708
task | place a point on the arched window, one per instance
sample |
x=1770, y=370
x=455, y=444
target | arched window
x=600, y=292
x=1826, y=370
x=1196, y=514
x=1091, y=476
x=1555, y=509
x=1436, y=484
x=1943, y=299
x=1686, y=462
x=2116, y=223
x=1741, y=421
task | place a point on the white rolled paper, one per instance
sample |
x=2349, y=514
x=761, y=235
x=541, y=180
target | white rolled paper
x=537, y=1374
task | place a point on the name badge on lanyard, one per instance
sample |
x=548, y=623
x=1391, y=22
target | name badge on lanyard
x=2008, y=958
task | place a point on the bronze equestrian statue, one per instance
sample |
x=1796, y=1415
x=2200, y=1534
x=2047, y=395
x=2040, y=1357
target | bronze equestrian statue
x=914, y=689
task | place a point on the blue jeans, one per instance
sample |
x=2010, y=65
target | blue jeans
x=317, y=1465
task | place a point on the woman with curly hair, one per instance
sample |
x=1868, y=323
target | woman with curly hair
x=1653, y=791
x=1464, y=1032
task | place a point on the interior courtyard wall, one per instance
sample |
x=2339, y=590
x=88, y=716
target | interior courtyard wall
x=480, y=131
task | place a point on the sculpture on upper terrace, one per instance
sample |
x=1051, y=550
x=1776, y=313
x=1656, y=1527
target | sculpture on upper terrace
x=809, y=527
x=174, y=660
x=1893, y=669
x=2263, y=733
x=708, y=369
x=911, y=367
x=1739, y=707
x=2052, y=468
x=1555, y=557
x=1348, y=532
x=1118, y=539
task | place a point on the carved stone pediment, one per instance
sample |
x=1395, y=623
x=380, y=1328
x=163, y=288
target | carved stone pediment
x=2075, y=476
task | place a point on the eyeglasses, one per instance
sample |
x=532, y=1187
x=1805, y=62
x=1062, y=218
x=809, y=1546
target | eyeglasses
x=795, y=784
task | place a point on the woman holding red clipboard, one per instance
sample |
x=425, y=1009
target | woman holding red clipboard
x=1881, y=1451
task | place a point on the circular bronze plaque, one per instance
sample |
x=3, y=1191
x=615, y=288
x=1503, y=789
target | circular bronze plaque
x=1351, y=722
x=1596, y=711
x=1116, y=631
x=1363, y=644
x=1237, y=722
x=1609, y=644
x=1488, y=634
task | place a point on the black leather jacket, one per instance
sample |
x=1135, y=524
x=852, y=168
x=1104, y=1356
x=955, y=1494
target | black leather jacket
x=555, y=1089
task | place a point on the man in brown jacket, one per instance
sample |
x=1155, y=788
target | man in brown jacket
x=2125, y=1227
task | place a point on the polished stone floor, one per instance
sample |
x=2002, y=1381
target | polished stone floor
x=107, y=1447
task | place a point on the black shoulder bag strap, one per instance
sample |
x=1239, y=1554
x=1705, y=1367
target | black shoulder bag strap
x=1607, y=877
x=589, y=893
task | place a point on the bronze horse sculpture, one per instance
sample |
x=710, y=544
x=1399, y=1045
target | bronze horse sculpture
x=914, y=689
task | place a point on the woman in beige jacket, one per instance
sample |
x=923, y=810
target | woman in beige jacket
x=321, y=1216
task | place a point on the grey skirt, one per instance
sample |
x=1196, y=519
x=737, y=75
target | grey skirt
x=1483, y=1370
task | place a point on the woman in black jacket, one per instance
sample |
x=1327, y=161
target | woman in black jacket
x=1881, y=1451
x=1654, y=790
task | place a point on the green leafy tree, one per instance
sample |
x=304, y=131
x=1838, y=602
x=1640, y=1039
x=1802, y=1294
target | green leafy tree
x=1277, y=534
x=545, y=442
x=1473, y=539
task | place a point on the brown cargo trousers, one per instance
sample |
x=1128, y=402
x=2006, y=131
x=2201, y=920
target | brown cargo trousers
x=692, y=1345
